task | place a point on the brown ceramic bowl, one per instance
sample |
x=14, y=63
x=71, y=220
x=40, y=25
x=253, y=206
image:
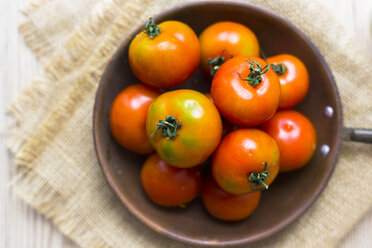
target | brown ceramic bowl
x=291, y=193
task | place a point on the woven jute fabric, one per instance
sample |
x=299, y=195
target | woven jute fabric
x=57, y=170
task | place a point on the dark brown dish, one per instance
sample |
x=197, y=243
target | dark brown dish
x=289, y=196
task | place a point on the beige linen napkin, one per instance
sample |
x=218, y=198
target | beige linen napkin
x=57, y=169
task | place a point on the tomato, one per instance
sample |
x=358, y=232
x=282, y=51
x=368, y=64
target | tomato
x=167, y=185
x=293, y=77
x=245, y=91
x=184, y=127
x=295, y=136
x=226, y=206
x=223, y=40
x=165, y=55
x=128, y=117
x=246, y=160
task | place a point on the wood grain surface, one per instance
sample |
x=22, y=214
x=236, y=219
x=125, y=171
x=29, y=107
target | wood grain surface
x=20, y=225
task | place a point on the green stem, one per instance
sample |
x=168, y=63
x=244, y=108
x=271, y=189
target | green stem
x=254, y=77
x=279, y=69
x=258, y=179
x=151, y=29
x=168, y=127
x=216, y=62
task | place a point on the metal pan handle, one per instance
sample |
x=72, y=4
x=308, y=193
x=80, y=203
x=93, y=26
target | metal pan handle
x=357, y=135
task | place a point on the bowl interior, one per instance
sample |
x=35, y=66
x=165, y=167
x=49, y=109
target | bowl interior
x=291, y=193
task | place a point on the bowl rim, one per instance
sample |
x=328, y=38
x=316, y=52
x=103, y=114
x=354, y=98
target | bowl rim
x=296, y=214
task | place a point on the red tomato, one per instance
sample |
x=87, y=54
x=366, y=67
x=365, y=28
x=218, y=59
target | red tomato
x=128, y=117
x=165, y=55
x=246, y=160
x=223, y=40
x=295, y=136
x=226, y=206
x=167, y=185
x=294, y=79
x=245, y=91
x=184, y=127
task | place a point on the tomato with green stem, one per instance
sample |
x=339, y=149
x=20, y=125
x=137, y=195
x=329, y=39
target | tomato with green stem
x=226, y=206
x=184, y=127
x=170, y=186
x=295, y=136
x=128, y=117
x=246, y=91
x=164, y=55
x=246, y=160
x=293, y=77
x=223, y=40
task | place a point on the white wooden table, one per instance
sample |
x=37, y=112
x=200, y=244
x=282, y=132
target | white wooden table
x=20, y=225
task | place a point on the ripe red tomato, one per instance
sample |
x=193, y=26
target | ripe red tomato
x=245, y=91
x=226, y=206
x=128, y=117
x=223, y=40
x=167, y=185
x=184, y=127
x=293, y=77
x=165, y=55
x=246, y=160
x=295, y=136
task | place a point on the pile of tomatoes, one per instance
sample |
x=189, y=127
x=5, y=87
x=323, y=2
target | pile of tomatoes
x=243, y=124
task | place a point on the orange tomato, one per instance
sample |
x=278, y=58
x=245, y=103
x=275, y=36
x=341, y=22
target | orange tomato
x=226, y=206
x=128, y=117
x=167, y=185
x=293, y=77
x=295, y=136
x=184, y=127
x=165, y=55
x=246, y=160
x=245, y=91
x=223, y=40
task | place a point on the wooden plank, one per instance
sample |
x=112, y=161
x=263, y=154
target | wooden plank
x=20, y=225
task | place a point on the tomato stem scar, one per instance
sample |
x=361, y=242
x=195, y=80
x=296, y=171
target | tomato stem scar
x=258, y=178
x=254, y=77
x=279, y=69
x=168, y=127
x=216, y=62
x=151, y=29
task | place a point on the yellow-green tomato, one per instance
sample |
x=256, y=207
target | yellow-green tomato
x=184, y=127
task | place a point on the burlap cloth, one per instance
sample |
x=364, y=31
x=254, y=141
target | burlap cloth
x=57, y=170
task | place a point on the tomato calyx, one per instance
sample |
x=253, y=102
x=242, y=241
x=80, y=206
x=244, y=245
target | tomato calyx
x=258, y=178
x=216, y=62
x=151, y=29
x=168, y=127
x=254, y=77
x=279, y=69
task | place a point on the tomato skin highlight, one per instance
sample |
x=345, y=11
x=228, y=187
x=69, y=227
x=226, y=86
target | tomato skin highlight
x=294, y=83
x=240, y=153
x=235, y=38
x=128, y=117
x=295, y=136
x=167, y=185
x=226, y=206
x=199, y=134
x=238, y=101
x=169, y=58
